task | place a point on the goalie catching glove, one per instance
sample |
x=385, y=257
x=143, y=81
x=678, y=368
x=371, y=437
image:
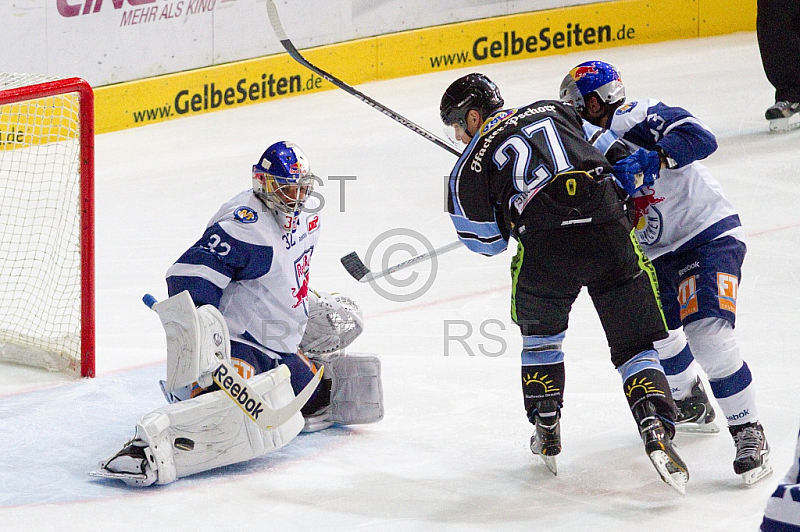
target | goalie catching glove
x=353, y=382
x=334, y=321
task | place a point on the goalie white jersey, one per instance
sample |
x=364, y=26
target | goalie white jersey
x=253, y=271
x=684, y=203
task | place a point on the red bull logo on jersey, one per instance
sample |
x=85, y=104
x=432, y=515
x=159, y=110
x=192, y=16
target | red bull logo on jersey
x=300, y=294
x=648, y=220
x=302, y=266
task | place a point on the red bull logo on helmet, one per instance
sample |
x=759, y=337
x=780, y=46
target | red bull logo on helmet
x=582, y=71
x=298, y=168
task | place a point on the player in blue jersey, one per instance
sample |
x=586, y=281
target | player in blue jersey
x=241, y=294
x=693, y=236
x=782, y=513
x=530, y=173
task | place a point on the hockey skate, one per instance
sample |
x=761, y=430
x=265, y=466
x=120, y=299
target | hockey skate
x=752, y=452
x=658, y=446
x=783, y=116
x=130, y=465
x=695, y=413
x=546, y=439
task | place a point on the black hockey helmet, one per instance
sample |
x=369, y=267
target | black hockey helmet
x=473, y=91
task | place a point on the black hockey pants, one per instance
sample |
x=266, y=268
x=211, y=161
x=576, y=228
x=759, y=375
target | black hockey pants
x=576, y=234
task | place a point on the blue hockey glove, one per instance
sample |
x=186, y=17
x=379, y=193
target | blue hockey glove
x=637, y=170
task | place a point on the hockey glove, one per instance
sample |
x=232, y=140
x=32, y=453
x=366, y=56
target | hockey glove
x=637, y=170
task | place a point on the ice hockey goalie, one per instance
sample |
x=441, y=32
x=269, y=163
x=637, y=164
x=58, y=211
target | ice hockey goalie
x=204, y=427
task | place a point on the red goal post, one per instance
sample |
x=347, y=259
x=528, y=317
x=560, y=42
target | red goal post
x=47, y=223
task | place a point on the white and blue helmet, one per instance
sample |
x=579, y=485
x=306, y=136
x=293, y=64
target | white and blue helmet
x=283, y=181
x=589, y=77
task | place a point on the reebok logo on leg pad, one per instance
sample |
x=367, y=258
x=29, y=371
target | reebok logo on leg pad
x=236, y=389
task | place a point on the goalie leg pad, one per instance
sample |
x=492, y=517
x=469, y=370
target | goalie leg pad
x=356, y=389
x=196, y=337
x=210, y=431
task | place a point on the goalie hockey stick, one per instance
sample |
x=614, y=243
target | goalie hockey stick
x=277, y=27
x=359, y=271
x=240, y=392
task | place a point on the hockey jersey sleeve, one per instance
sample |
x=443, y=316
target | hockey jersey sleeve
x=472, y=211
x=674, y=130
x=606, y=142
x=217, y=259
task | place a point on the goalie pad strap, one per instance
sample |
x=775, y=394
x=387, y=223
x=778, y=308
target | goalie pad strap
x=356, y=389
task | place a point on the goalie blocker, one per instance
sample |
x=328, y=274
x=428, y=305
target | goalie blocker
x=196, y=434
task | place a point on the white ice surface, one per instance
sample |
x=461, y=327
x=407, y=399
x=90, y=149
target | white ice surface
x=452, y=452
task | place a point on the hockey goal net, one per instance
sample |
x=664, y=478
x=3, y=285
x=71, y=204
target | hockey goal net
x=46, y=222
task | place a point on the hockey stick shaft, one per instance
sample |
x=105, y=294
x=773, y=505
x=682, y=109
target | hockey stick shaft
x=359, y=271
x=240, y=392
x=355, y=267
x=272, y=12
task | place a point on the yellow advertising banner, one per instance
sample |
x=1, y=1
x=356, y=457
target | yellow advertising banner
x=519, y=36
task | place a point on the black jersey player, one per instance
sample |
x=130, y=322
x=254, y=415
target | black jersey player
x=529, y=173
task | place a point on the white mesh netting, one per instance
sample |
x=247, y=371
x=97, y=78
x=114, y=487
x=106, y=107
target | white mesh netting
x=40, y=253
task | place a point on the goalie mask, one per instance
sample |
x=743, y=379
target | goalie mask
x=282, y=180
x=589, y=77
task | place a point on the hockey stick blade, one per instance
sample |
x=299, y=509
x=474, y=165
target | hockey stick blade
x=360, y=272
x=277, y=27
x=354, y=266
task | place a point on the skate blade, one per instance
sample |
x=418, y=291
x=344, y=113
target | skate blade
x=550, y=462
x=754, y=475
x=127, y=477
x=697, y=428
x=781, y=125
x=677, y=478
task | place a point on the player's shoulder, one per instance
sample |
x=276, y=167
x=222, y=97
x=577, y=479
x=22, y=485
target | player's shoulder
x=245, y=218
x=509, y=120
x=641, y=110
x=539, y=108
x=634, y=110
